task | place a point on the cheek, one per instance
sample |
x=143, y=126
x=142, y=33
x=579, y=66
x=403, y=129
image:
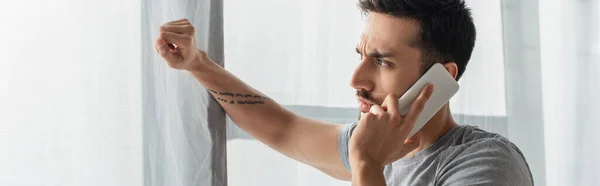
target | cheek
x=389, y=84
x=397, y=83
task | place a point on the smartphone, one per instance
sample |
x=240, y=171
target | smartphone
x=444, y=87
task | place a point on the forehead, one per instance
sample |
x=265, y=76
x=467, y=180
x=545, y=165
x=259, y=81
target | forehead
x=387, y=32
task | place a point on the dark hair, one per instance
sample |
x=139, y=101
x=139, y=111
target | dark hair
x=447, y=32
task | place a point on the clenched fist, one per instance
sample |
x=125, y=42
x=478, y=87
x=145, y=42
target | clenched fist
x=177, y=45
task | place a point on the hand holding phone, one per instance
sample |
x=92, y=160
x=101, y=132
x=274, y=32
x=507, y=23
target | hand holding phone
x=379, y=129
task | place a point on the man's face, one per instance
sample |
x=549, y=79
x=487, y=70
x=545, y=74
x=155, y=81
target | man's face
x=390, y=60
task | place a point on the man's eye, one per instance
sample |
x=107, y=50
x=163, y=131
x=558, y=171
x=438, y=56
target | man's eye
x=382, y=63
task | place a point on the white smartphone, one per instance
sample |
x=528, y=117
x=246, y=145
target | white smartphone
x=444, y=87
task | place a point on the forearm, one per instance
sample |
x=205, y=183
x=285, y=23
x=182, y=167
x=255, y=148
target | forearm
x=303, y=139
x=251, y=110
x=366, y=173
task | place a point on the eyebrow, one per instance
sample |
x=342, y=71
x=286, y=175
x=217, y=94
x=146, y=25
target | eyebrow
x=375, y=53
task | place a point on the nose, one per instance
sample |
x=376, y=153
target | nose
x=361, y=79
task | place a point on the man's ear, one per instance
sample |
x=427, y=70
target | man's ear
x=451, y=68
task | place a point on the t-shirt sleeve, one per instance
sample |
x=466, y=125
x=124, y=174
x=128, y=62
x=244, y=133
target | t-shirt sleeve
x=489, y=162
x=343, y=142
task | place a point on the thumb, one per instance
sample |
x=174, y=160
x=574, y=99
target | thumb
x=413, y=142
x=163, y=49
x=409, y=146
x=415, y=138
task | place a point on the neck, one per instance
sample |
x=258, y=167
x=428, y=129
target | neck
x=437, y=126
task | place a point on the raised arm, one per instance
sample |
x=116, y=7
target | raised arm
x=308, y=141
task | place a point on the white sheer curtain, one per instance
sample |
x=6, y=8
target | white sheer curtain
x=86, y=100
x=532, y=78
x=70, y=93
x=184, y=127
x=570, y=40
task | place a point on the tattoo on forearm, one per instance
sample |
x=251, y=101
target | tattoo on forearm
x=231, y=96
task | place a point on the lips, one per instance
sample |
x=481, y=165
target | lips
x=364, y=105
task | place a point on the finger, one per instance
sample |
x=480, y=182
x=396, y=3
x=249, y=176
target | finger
x=183, y=21
x=417, y=107
x=179, y=29
x=391, y=105
x=376, y=110
x=415, y=138
x=366, y=117
x=175, y=38
x=164, y=51
x=409, y=146
x=179, y=21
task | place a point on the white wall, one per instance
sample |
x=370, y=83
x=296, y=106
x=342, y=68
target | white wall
x=70, y=82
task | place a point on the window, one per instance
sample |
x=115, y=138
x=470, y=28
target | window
x=301, y=53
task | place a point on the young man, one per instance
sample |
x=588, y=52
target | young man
x=401, y=40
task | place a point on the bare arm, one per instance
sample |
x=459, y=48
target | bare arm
x=309, y=141
x=306, y=140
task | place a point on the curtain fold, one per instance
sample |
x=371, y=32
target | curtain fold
x=523, y=69
x=184, y=127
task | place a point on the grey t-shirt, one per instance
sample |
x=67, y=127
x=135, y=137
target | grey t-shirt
x=466, y=155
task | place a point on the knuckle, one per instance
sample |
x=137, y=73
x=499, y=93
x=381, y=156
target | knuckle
x=163, y=28
x=391, y=97
x=384, y=116
x=369, y=115
x=162, y=35
x=191, y=28
x=189, y=38
x=394, y=118
x=420, y=106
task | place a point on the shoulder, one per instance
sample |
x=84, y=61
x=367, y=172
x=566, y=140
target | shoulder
x=469, y=139
x=483, y=157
